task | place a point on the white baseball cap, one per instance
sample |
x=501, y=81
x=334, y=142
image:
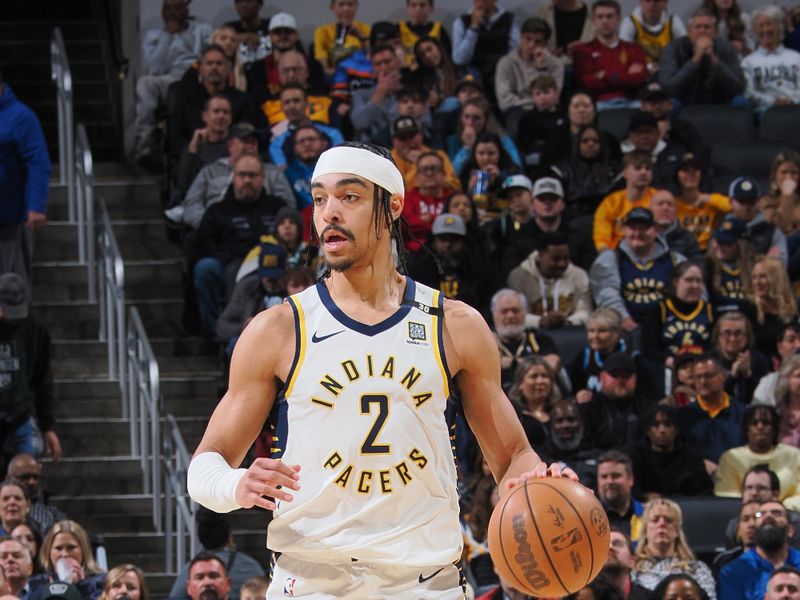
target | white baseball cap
x=282, y=20
x=548, y=185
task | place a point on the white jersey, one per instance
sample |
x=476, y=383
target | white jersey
x=365, y=413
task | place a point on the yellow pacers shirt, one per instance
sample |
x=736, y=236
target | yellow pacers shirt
x=608, y=217
x=703, y=218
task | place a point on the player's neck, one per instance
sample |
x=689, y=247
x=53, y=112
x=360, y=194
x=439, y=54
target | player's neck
x=377, y=284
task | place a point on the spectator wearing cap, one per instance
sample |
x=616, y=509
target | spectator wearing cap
x=658, y=102
x=335, y=41
x=408, y=145
x=513, y=233
x=556, y=290
x=58, y=590
x=771, y=69
x=420, y=26
x=728, y=266
x=665, y=215
x=308, y=143
x=252, y=32
x=425, y=201
x=637, y=169
x=482, y=37
x=227, y=231
x=214, y=179
x=697, y=212
x=517, y=70
x=294, y=104
x=571, y=24
x=254, y=292
x=613, y=414
x=374, y=109
x=26, y=380
x=612, y=70
x=701, y=67
x=166, y=54
x=644, y=134
x=763, y=237
x=651, y=27
x=633, y=279
x=449, y=266
x=24, y=181
x=207, y=144
x=263, y=76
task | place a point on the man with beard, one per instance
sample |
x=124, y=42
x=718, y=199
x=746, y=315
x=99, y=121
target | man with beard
x=783, y=584
x=746, y=577
x=612, y=414
x=514, y=340
x=618, y=567
x=229, y=229
x=568, y=444
x=187, y=97
x=208, y=579
x=452, y=268
x=614, y=488
x=556, y=290
x=308, y=143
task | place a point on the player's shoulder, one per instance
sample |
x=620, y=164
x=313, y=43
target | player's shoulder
x=275, y=322
x=463, y=324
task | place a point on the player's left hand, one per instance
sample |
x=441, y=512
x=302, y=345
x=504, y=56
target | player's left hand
x=542, y=470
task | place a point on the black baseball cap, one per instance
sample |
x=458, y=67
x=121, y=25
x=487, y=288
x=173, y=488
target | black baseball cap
x=242, y=131
x=619, y=361
x=639, y=215
x=642, y=120
x=654, y=92
x=403, y=126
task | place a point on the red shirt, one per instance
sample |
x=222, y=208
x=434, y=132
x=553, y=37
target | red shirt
x=603, y=71
x=419, y=212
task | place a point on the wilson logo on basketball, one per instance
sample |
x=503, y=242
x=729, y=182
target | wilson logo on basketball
x=524, y=557
x=564, y=541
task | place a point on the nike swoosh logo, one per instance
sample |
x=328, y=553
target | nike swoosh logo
x=316, y=339
x=424, y=579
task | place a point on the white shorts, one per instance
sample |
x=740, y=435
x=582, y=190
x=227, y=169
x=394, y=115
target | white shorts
x=296, y=578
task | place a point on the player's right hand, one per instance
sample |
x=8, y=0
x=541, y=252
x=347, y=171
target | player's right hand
x=265, y=481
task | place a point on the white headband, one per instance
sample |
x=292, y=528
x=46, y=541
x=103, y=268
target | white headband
x=363, y=163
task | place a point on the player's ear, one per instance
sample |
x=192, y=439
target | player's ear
x=396, y=205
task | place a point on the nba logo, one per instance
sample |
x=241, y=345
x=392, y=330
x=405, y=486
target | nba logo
x=288, y=587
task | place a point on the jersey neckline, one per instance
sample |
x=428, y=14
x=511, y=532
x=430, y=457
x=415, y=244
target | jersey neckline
x=370, y=330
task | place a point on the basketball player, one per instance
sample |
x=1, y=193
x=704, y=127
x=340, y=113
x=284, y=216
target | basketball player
x=363, y=486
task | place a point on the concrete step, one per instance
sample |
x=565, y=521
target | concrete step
x=81, y=320
x=168, y=365
x=201, y=386
x=144, y=279
x=247, y=540
x=94, y=474
x=110, y=407
x=163, y=348
x=124, y=199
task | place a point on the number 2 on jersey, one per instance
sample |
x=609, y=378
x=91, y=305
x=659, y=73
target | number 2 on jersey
x=369, y=446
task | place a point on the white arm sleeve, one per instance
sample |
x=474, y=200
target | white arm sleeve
x=212, y=482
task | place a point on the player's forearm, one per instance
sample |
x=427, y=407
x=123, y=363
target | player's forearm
x=522, y=462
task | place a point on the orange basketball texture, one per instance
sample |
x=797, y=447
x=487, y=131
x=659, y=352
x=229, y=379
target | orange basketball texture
x=549, y=537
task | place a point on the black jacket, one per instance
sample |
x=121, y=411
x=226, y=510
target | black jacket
x=680, y=472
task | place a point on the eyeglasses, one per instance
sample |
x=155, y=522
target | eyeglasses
x=731, y=333
x=775, y=512
x=430, y=169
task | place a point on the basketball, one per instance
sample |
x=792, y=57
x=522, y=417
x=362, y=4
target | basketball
x=549, y=537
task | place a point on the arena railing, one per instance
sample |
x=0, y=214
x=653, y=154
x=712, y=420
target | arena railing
x=84, y=196
x=144, y=409
x=111, y=281
x=179, y=509
x=61, y=75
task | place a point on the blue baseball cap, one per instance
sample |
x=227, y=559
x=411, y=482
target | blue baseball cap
x=730, y=230
x=744, y=189
x=271, y=261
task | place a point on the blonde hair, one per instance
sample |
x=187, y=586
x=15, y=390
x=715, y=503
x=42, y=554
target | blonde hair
x=80, y=535
x=237, y=68
x=645, y=560
x=607, y=317
x=779, y=287
x=712, y=269
x=117, y=573
x=789, y=366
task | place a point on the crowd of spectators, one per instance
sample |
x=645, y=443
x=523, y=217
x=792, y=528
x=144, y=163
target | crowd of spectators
x=644, y=306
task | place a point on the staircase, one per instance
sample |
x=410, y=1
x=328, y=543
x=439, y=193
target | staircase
x=25, y=31
x=97, y=483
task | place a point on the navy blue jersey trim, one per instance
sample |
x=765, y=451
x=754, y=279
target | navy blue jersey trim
x=359, y=327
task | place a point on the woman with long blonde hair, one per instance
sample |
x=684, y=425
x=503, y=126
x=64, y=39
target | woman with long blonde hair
x=771, y=294
x=225, y=38
x=781, y=204
x=125, y=582
x=787, y=401
x=662, y=549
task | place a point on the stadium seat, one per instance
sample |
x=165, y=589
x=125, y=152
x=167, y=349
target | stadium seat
x=569, y=341
x=782, y=124
x=719, y=124
x=753, y=159
x=704, y=521
x=615, y=121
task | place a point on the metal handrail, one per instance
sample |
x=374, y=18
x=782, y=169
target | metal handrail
x=84, y=192
x=61, y=75
x=111, y=281
x=179, y=509
x=144, y=400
